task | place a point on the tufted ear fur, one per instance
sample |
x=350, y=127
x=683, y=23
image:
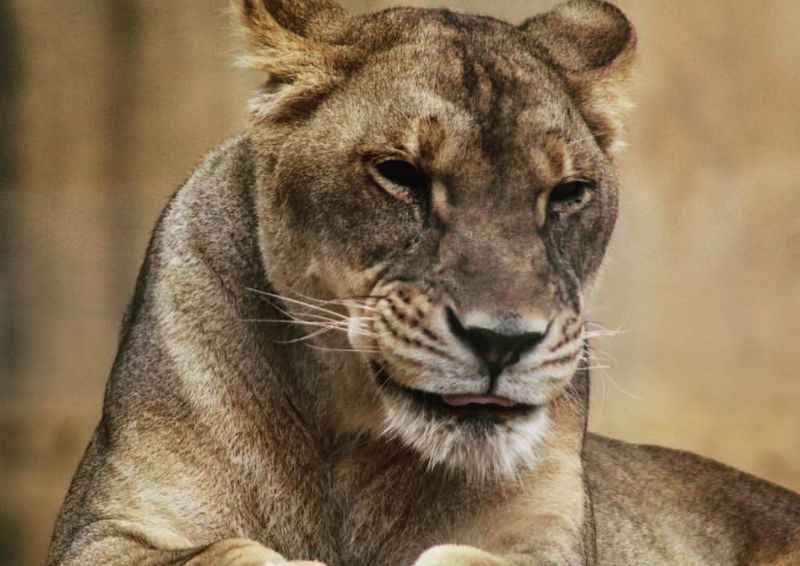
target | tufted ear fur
x=592, y=45
x=294, y=42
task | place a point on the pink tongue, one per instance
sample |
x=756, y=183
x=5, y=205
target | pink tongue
x=463, y=400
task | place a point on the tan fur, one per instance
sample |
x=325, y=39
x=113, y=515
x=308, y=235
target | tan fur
x=600, y=89
x=299, y=67
x=304, y=314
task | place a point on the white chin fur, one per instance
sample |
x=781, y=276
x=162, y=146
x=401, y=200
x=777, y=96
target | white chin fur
x=483, y=452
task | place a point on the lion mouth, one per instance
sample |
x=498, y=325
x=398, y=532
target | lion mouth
x=459, y=406
x=467, y=399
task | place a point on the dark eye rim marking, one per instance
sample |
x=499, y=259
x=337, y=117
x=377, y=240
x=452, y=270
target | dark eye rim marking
x=570, y=195
x=399, y=177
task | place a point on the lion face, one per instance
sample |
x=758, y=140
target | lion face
x=452, y=194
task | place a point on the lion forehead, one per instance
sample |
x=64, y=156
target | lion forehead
x=482, y=67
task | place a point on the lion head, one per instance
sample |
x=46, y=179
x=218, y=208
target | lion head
x=443, y=186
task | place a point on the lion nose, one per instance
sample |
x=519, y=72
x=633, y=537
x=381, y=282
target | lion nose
x=497, y=351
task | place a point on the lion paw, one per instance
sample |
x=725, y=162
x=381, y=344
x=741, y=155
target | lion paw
x=455, y=555
x=244, y=552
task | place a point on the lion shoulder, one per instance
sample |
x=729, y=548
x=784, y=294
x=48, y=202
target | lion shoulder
x=698, y=510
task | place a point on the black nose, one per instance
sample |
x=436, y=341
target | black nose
x=497, y=351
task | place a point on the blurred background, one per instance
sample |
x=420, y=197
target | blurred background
x=106, y=107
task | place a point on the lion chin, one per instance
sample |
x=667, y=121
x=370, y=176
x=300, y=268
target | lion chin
x=485, y=438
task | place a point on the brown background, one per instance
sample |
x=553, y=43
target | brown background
x=106, y=107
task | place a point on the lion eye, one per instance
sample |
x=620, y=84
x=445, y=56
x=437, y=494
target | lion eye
x=400, y=178
x=570, y=195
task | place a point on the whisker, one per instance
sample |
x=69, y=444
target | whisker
x=282, y=310
x=603, y=356
x=311, y=315
x=602, y=333
x=323, y=318
x=340, y=326
x=297, y=302
x=353, y=299
x=348, y=303
x=345, y=301
x=304, y=338
x=607, y=377
x=350, y=350
x=363, y=298
x=598, y=330
x=337, y=323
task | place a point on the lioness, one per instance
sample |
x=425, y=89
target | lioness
x=357, y=336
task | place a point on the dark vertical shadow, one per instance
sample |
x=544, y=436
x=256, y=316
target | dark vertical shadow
x=123, y=33
x=10, y=535
x=10, y=75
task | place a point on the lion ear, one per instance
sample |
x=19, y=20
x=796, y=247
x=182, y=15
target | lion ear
x=592, y=45
x=294, y=43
